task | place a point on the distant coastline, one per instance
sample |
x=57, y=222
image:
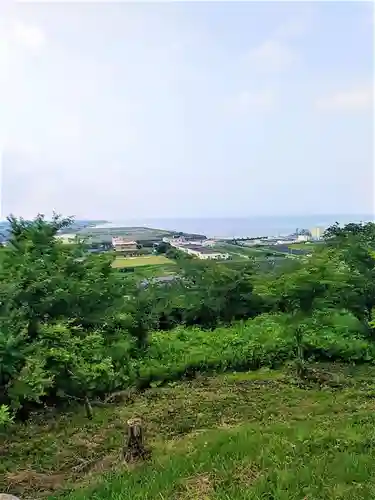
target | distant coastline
x=240, y=227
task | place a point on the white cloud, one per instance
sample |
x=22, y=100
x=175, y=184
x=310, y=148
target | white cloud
x=247, y=101
x=271, y=56
x=293, y=28
x=17, y=39
x=16, y=36
x=26, y=35
x=276, y=54
x=357, y=99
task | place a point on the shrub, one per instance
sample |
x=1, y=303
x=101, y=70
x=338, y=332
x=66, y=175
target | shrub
x=267, y=340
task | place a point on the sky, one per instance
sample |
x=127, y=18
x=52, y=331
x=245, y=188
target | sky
x=186, y=109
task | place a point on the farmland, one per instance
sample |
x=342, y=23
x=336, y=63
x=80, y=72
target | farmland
x=239, y=252
x=146, y=260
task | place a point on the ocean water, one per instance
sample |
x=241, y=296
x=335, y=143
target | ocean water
x=242, y=227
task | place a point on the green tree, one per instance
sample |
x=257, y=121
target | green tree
x=354, y=244
x=59, y=313
x=43, y=280
x=218, y=293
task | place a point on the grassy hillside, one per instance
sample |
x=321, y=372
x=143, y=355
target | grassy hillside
x=259, y=435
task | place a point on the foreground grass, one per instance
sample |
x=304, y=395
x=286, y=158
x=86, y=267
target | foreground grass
x=147, y=260
x=256, y=435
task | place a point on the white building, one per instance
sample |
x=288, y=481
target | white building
x=303, y=237
x=121, y=244
x=202, y=252
x=317, y=232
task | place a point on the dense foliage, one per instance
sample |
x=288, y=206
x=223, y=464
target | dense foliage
x=71, y=326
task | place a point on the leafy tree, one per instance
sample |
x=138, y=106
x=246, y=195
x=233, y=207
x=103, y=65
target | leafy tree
x=43, y=280
x=322, y=281
x=217, y=293
x=354, y=244
x=163, y=247
x=56, y=304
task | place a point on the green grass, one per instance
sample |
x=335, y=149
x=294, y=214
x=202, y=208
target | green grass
x=154, y=271
x=147, y=260
x=267, y=340
x=258, y=435
x=235, y=251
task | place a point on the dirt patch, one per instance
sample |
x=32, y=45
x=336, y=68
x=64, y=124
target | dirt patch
x=29, y=479
x=200, y=487
x=247, y=474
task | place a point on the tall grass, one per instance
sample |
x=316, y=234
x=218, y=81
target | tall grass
x=266, y=340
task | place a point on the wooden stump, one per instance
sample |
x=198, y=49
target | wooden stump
x=5, y=496
x=134, y=448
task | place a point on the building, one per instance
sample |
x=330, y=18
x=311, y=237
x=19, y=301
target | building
x=67, y=237
x=317, y=233
x=202, y=252
x=121, y=244
x=303, y=237
x=208, y=243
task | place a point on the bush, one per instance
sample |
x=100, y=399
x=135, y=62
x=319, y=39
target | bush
x=267, y=340
x=335, y=335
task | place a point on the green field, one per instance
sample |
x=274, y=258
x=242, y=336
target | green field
x=244, y=436
x=146, y=260
x=239, y=252
x=304, y=246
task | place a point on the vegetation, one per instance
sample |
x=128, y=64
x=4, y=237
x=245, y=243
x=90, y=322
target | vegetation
x=75, y=331
x=239, y=436
x=147, y=260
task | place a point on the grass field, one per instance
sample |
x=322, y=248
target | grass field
x=146, y=260
x=245, y=436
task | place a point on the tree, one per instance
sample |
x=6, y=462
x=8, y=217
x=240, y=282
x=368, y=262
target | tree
x=217, y=293
x=43, y=280
x=354, y=245
x=162, y=247
x=56, y=307
x=321, y=281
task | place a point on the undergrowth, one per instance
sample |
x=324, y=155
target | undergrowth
x=251, y=435
x=265, y=341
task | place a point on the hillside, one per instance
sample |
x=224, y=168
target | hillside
x=235, y=436
x=84, y=347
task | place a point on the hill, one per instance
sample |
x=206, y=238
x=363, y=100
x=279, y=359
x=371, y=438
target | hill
x=235, y=436
x=84, y=347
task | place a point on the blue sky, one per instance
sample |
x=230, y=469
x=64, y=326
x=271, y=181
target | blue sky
x=187, y=109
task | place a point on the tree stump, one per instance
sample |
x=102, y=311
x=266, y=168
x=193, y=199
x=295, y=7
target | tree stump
x=134, y=448
x=5, y=496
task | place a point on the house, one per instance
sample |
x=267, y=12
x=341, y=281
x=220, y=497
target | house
x=121, y=244
x=202, y=252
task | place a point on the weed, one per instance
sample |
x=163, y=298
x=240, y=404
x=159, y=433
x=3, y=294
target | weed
x=234, y=436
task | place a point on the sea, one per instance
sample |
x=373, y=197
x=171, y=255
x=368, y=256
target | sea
x=241, y=227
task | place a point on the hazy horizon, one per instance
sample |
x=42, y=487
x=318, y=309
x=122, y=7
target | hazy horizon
x=184, y=109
